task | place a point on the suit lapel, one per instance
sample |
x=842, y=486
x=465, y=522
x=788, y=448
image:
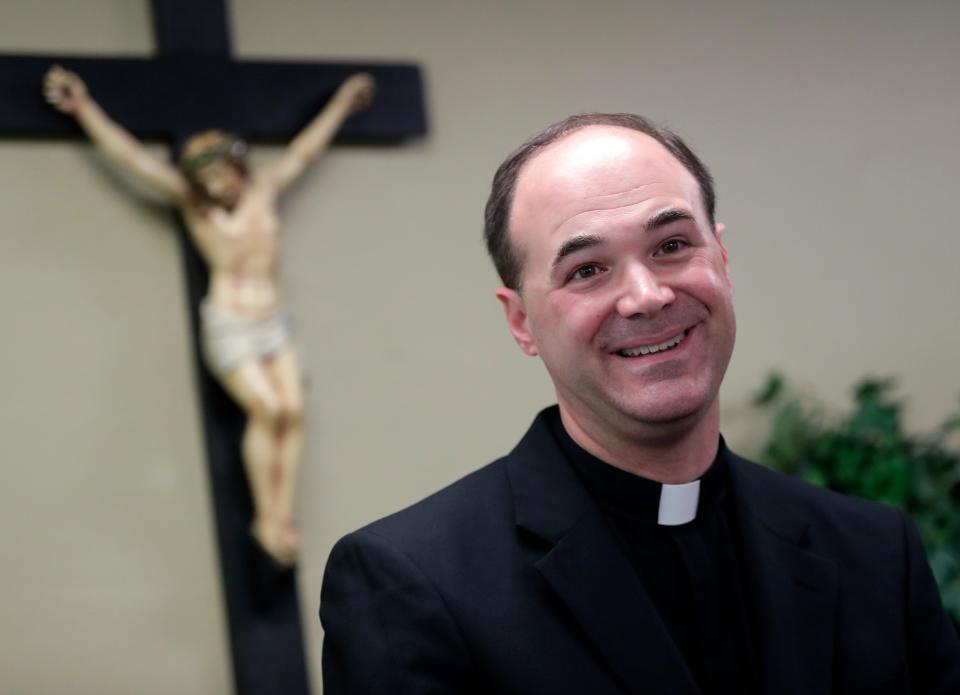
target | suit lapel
x=589, y=572
x=591, y=575
x=793, y=591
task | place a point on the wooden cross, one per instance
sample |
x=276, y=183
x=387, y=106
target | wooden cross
x=190, y=85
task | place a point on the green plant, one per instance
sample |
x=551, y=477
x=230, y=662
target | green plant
x=866, y=453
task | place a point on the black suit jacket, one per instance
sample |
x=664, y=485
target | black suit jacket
x=510, y=581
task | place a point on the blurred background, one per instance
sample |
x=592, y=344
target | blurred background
x=831, y=129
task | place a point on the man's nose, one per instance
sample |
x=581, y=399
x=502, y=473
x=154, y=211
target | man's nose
x=642, y=292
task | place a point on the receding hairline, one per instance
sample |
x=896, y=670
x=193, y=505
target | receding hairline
x=573, y=132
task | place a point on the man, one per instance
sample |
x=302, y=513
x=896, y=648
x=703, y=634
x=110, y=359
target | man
x=620, y=547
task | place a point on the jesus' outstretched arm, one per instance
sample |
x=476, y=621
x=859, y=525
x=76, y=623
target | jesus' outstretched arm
x=66, y=92
x=354, y=95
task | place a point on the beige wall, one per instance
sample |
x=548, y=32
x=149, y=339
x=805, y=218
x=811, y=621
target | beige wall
x=831, y=131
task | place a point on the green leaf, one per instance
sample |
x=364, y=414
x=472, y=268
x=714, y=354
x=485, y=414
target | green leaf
x=770, y=390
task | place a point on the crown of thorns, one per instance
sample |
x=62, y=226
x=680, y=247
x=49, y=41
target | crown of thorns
x=232, y=148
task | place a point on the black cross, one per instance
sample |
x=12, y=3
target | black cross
x=190, y=85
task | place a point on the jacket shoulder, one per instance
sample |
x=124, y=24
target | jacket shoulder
x=785, y=501
x=460, y=515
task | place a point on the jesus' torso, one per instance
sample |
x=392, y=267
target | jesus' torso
x=242, y=248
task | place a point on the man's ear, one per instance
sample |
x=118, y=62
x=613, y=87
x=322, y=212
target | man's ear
x=720, y=228
x=516, y=313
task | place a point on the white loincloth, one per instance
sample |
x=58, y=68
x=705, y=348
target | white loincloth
x=228, y=340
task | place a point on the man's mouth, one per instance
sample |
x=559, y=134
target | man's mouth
x=668, y=344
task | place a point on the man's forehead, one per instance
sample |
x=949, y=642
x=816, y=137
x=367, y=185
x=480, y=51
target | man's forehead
x=597, y=165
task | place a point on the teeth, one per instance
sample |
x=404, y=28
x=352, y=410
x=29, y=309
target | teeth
x=651, y=349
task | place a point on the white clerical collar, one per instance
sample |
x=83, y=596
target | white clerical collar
x=678, y=503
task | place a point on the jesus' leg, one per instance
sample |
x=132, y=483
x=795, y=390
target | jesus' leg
x=251, y=386
x=285, y=372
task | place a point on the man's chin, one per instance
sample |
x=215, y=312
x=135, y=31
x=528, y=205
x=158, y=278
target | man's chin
x=670, y=412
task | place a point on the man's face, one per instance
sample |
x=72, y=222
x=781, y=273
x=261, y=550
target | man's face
x=221, y=181
x=625, y=294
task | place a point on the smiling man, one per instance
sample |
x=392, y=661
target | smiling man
x=625, y=296
x=620, y=547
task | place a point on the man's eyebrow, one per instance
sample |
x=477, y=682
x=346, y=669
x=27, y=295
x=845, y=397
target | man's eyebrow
x=574, y=244
x=665, y=217
x=585, y=241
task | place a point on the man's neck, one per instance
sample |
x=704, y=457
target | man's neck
x=674, y=454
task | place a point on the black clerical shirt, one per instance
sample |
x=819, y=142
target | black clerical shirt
x=693, y=572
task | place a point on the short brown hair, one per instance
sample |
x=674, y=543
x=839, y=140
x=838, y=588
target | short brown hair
x=505, y=256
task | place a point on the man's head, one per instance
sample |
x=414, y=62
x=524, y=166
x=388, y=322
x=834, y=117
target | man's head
x=621, y=282
x=215, y=164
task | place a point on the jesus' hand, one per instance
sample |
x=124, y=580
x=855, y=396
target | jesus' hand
x=64, y=90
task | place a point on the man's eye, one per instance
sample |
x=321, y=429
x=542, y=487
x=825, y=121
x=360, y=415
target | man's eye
x=671, y=246
x=585, y=271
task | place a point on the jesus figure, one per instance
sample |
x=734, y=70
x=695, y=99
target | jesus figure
x=231, y=214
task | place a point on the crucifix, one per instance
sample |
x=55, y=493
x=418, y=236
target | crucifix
x=190, y=86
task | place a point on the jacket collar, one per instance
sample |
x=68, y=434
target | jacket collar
x=794, y=591
x=587, y=570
